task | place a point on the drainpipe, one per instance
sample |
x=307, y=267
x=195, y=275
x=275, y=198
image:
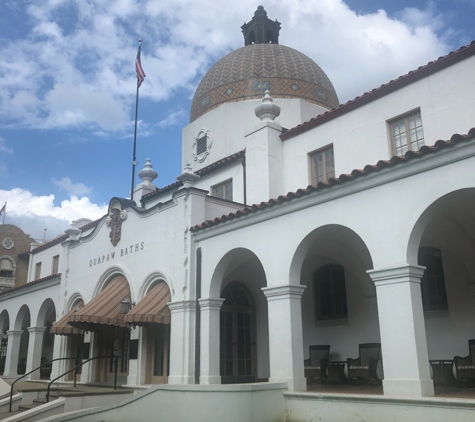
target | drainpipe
x=198, y=317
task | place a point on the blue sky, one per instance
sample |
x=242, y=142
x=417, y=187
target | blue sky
x=67, y=82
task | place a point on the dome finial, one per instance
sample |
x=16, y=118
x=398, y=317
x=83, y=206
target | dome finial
x=267, y=111
x=261, y=30
x=147, y=174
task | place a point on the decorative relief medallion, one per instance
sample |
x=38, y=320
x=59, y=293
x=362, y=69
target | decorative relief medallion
x=202, y=145
x=8, y=243
x=229, y=91
x=294, y=87
x=114, y=221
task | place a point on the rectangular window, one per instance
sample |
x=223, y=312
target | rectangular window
x=407, y=133
x=55, y=265
x=330, y=292
x=223, y=190
x=434, y=296
x=38, y=271
x=322, y=165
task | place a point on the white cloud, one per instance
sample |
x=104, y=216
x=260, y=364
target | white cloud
x=171, y=119
x=77, y=72
x=76, y=189
x=33, y=213
x=4, y=151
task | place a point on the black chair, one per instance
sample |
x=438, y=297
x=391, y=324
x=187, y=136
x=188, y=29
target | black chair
x=316, y=365
x=465, y=367
x=363, y=368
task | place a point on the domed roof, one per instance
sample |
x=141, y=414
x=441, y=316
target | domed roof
x=246, y=73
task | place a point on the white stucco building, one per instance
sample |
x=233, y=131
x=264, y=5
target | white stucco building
x=312, y=223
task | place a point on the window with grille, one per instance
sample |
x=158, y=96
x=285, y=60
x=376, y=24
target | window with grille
x=433, y=291
x=322, y=164
x=330, y=292
x=223, y=190
x=202, y=145
x=407, y=133
x=55, y=265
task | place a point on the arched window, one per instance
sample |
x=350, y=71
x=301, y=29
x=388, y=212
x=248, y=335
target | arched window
x=434, y=296
x=330, y=292
x=7, y=267
x=269, y=36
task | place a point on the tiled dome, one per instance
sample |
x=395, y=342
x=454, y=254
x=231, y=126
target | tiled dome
x=247, y=72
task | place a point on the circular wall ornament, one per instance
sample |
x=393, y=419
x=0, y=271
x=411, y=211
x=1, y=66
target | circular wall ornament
x=8, y=243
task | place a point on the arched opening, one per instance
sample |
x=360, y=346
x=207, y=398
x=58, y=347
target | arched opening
x=269, y=36
x=339, y=306
x=76, y=349
x=238, y=357
x=104, y=316
x=252, y=38
x=153, y=315
x=443, y=241
x=46, y=318
x=22, y=323
x=4, y=327
x=244, y=335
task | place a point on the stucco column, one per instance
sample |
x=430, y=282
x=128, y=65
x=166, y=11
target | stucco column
x=13, y=349
x=209, y=354
x=285, y=335
x=134, y=368
x=35, y=346
x=403, y=334
x=57, y=367
x=182, y=342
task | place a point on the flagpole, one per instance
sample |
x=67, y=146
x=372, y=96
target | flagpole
x=134, y=158
x=4, y=212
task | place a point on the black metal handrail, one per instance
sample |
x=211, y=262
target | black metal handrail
x=78, y=366
x=25, y=375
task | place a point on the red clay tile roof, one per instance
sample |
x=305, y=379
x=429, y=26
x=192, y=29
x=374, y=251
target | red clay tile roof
x=31, y=284
x=343, y=178
x=203, y=172
x=64, y=237
x=411, y=77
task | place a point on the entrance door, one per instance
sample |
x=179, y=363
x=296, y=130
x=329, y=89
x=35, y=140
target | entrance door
x=75, y=350
x=158, y=353
x=113, y=342
x=237, y=337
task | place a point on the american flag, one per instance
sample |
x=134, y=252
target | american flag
x=138, y=67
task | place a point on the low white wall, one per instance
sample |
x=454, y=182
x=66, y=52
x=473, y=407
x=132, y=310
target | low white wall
x=199, y=403
x=356, y=408
x=55, y=407
x=5, y=403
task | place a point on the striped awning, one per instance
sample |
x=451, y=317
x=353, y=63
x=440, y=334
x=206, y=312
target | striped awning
x=62, y=327
x=153, y=308
x=104, y=309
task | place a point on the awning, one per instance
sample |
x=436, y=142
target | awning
x=153, y=308
x=104, y=309
x=62, y=327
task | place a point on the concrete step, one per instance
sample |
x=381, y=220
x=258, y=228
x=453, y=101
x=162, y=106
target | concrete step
x=36, y=403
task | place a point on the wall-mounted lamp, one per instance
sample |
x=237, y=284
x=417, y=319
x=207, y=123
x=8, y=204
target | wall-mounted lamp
x=126, y=305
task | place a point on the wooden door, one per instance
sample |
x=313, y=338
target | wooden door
x=237, y=336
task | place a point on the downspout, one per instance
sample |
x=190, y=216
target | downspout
x=243, y=162
x=198, y=317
